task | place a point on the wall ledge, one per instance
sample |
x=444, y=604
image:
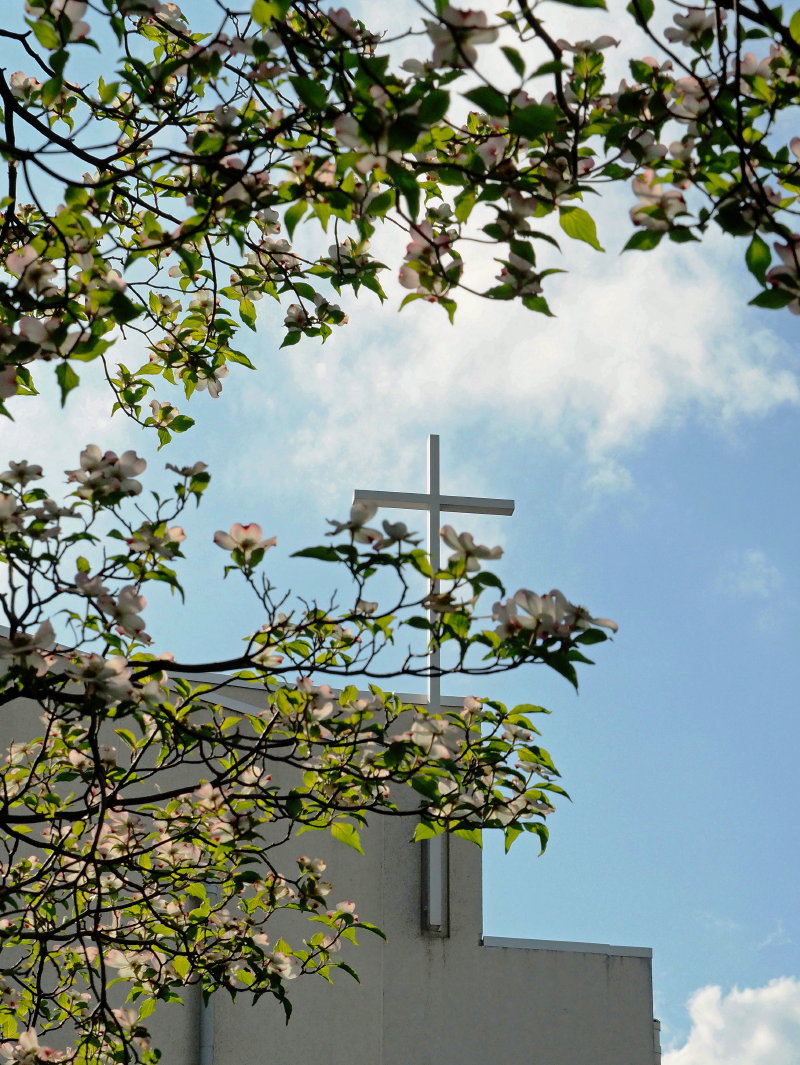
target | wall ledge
x=561, y=945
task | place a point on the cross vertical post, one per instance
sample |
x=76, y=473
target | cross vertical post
x=435, y=855
x=436, y=851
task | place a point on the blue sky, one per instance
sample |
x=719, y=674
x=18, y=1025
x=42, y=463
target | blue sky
x=651, y=436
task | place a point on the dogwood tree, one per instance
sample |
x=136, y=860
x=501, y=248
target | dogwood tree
x=141, y=819
x=164, y=175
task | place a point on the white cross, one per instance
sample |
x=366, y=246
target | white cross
x=435, y=889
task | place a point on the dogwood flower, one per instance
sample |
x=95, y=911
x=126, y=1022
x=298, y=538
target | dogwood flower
x=464, y=547
x=428, y=733
x=492, y=151
x=21, y=473
x=73, y=10
x=396, y=533
x=109, y=677
x=10, y=517
x=35, y=273
x=27, y=1051
x=690, y=98
x=188, y=471
x=26, y=649
x=105, y=474
x=545, y=616
x=163, y=413
x=454, y=42
x=786, y=275
x=360, y=514
x=246, y=539
x=125, y=612
x=520, y=274
x=343, y=22
x=659, y=203
x=588, y=47
x=692, y=25
x=164, y=545
x=212, y=381
x=22, y=85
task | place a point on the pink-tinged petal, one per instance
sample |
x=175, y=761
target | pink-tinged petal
x=360, y=513
x=408, y=277
x=19, y=261
x=530, y=602
x=223, y=540
x=789, y=253
x=246, y=532
x=450, y=537
x=794, y=147
x=8, y=382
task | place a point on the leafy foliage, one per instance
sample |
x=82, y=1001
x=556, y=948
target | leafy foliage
x=163, y=178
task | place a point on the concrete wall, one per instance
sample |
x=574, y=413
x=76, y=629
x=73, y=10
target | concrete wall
x=424, y=999
x=432, y=1000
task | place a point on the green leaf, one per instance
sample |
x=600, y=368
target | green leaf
x=538, y=304
x=772, y=299
x=433, y=107
x=541, y=831
x=293, y=216
x=406, y=184
x=426, y=832
x=124, y=310
x=488, y=99
x=515, y=59
x=264, y=11
x=579, y=225
x=758, y=257
x=51, y=90
x=348, y=834
x=794, y=26
x=533, y=120
x=642, y=10
x=312, y=93
x=472, y=835
x=511, y=833
x=67, y=380
x=644, y=240
x=247, y=312
x=682, y=235
x=421, y=563
x=404, y=132
x=348, y=969
x=323, y=553
x=45, y=34
x=583, y=3
x=592, y=636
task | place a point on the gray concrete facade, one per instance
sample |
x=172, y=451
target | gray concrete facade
x=428, y=999
x=424, y=998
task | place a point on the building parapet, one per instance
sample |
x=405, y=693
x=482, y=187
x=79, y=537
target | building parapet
x=563, y=945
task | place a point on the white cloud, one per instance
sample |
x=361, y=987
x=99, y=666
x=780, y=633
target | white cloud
x=642, y=343
x=749, y=573
x=751, y=1026
x=778, y=937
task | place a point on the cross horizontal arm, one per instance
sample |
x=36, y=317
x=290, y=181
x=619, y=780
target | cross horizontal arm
x=421, y=501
